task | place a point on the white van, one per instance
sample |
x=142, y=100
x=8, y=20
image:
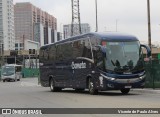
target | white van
x=11, y=72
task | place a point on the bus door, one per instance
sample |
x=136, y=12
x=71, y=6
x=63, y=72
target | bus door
x=80, y=69
x=81, y=65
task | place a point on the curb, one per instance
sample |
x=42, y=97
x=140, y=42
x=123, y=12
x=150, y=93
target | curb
x=145, y=90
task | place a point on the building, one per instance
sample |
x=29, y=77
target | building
x=85, y=28
x=39, y=33
x=59, y=36
x=32, y=23
x=7, y=33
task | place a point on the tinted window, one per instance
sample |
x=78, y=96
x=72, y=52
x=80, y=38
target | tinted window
x=52, y=52
x=59, y=54
x=67, y=51
x=41, y=55
x=86, y=49
x=77, y=49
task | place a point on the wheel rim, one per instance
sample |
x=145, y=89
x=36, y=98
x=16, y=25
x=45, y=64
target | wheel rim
x=91, y=86
x=51, y=85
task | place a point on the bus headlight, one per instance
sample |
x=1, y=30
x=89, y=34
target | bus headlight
x=112, y=79
x=108, y=78
x=142, y=77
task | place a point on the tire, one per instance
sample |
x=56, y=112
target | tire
x=4, y=80
x=91, y=87
x=18, y=79
x=125, y=91
x=52, y=86
x=15, y=79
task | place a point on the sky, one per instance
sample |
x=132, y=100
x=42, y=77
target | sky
x=131, y=15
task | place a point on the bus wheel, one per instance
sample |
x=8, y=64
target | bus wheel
x=15, y=79
x=4, y=80
x=92, y=89
x=52, y=86
x=125, y=91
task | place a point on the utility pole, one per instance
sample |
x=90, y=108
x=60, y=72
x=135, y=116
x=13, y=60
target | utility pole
x=76, y=22
x=116, y=25
x=2, y=50
x=96, y=16
x=23, y=50
x=149, y=24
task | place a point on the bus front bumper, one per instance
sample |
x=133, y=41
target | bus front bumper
x=113, y=83
x=116, y=85
x=12, y=77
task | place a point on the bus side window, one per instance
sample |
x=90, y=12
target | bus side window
x=58, y=51
x=77, y=48
x=52, y=53
x=46, y=54
x=95, y=41
x=67, y=51
x=98, y=58
x=86, y=49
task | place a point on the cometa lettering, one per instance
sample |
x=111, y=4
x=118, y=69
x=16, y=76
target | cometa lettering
x=78, y=65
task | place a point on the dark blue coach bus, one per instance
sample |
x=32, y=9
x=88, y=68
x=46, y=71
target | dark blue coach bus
x=94, y=61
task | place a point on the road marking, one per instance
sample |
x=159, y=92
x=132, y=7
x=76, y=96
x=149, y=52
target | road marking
x=28, y=84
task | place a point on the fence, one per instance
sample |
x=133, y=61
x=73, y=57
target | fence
x=30, y=72
x=153, y=74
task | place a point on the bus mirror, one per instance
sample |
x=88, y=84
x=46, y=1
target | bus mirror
x=148, y=50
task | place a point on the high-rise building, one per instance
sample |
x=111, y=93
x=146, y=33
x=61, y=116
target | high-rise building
x=32, y=23
x=85, y=28
x=7, y=33
x=59, y=36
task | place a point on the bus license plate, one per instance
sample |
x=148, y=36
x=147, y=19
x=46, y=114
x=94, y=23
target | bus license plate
x=128, y=87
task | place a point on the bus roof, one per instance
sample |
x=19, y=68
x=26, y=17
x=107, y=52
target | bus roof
x=114, y=36
x=107, y=36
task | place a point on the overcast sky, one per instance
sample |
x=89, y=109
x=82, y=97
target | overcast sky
x=131, y=15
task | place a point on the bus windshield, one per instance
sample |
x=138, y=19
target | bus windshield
x=8, y=70
x=123, y=57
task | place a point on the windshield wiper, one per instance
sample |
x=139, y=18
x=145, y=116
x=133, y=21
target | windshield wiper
x=113, y=63
x=117, y=63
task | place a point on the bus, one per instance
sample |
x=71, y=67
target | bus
x=94, y=61
x=11, y=72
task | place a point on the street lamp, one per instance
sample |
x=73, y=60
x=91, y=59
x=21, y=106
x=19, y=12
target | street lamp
x=96, y=16
x=149, y=24
x=116, y=25
x=2, y=50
